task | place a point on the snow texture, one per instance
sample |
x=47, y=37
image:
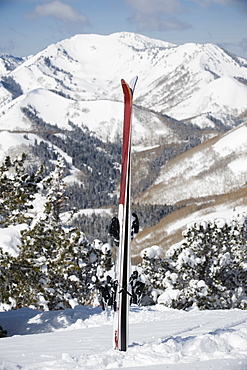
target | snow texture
x=160, y=338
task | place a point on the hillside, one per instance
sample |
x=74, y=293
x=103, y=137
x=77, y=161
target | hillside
x=215, y=167
x=211, y=176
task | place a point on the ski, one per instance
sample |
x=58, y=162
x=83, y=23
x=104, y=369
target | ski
x=120, y=331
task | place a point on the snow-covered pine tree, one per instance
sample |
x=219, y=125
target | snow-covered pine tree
x=106, y=259
x=97, y=263
x=19, y=283
x=103, y=252
x=51, y=247
x=67, y=264
x=51, y=251
x=238, y=281
x=55, y=192
x=210, y=265
x=153, y=269
x=17, y=190
x=56, y=266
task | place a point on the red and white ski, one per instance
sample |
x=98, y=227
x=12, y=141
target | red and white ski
x=120, y=333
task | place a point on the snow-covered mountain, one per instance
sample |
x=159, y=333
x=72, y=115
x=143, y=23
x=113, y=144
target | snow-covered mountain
x=185, y=95
x=202, y=83
x=78, y=80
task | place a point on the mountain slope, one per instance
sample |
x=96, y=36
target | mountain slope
x=212, y=176
x=215, y=167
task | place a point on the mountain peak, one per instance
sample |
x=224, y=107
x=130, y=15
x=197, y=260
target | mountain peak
x=141, y=41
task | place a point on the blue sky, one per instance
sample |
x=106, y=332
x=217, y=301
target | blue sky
x=28, y=26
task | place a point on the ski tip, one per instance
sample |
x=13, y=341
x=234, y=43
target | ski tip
x=131, y=85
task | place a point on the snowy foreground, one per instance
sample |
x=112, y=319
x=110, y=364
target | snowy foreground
x=160, y=338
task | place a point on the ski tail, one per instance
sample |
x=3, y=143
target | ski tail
x=120, y=336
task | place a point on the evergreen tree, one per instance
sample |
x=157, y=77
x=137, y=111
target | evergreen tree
x=18, y=281
x=17, y=190
x=153, y=269
x=50, y=247
x=56, y=266
x=50, y=251
x=55, y=188
x=66, y=264
x=210, y=266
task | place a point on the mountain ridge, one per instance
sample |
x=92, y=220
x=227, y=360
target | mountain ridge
x=72, y=67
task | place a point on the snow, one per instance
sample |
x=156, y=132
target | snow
x=9, y=140
x=235, y=140
x=160, y=338
x=10, y=238
x=223, y=93
x=102, y=117
x=239, y=165
x=19, y=142
x=151, y=252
